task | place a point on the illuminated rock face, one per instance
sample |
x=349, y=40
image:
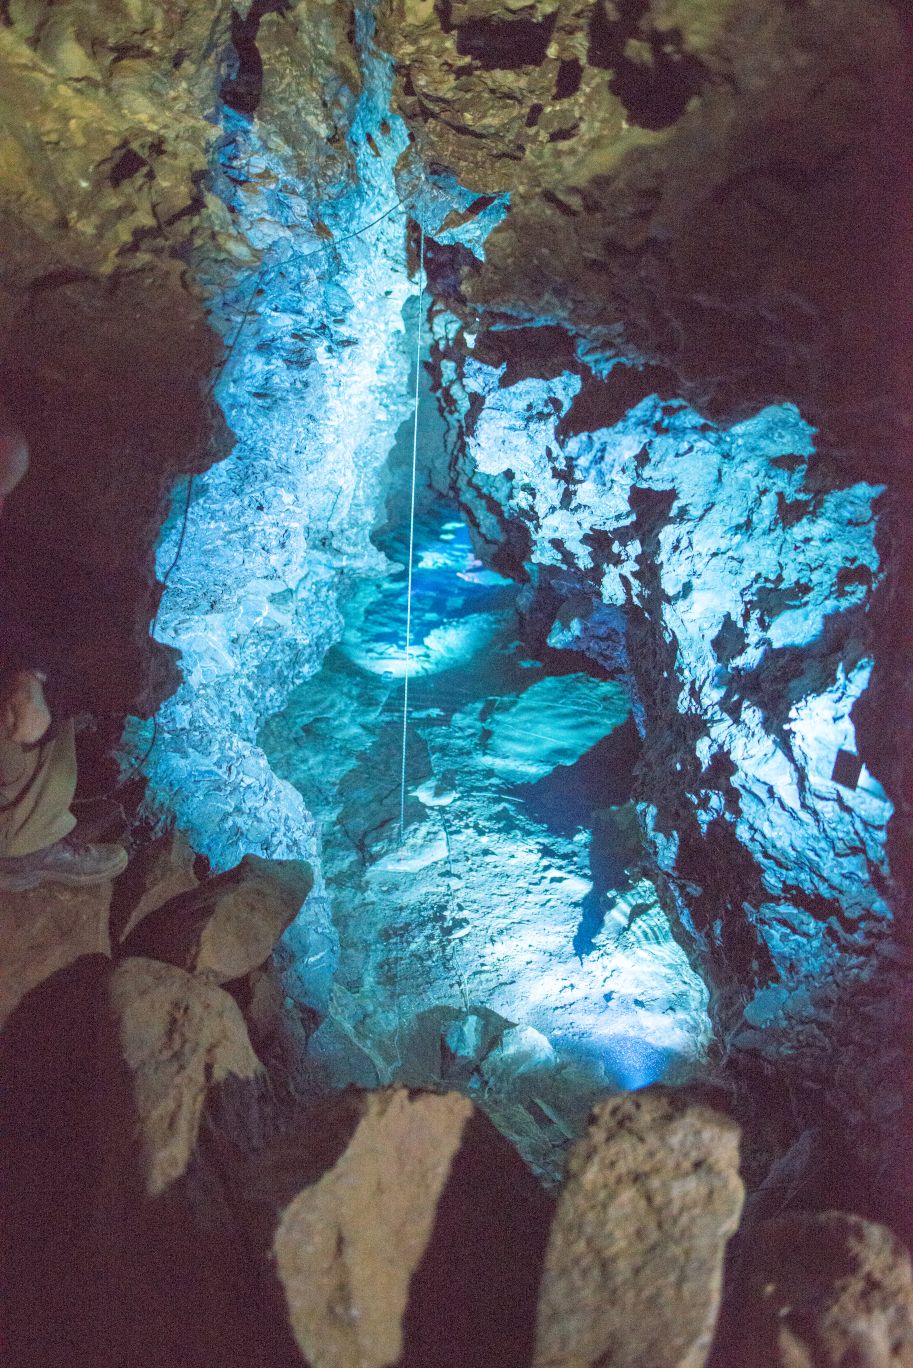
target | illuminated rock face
x=730, y=580
x=512, y=943
x=688, y=181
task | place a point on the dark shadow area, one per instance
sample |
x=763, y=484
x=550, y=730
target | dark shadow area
x=504, y=45
x=583, y=795
x=243, y=90
x=566, y=798
x=655, y=88
x=95, y=1273
x=473, y=1298
x=603, y=403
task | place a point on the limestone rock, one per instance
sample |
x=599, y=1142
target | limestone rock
x=179, y=1037
x=823, y=1291
x=158, y=872
x=45, y=930
x=229, y=925
x=633, y=1270
x=668, y=163
x=407, y=1231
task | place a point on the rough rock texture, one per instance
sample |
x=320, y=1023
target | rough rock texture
x=105, y=350
x=713, y=188
x=406, y=1231
x=180, y=1037
x=159, y=870
x=96, y=1272
x=228, y=925
x=822, y=1291
x=44, y=931
x=633, y=1270
x=736, y=580
x=676, y=386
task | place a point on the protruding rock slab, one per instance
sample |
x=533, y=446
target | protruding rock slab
x=179, y=1036
x=46, y=930
x=407, y=1231
x=158, y=873
x=633, y=1270
x=230, y=924
x=824, y=1291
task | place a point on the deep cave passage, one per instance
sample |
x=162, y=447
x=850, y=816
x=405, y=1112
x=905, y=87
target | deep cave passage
x=513, y=944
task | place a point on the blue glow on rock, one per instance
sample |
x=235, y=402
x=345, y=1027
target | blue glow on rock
x=479, y=908
x=754, y=583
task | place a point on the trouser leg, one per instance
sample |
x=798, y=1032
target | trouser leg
x=36, y=790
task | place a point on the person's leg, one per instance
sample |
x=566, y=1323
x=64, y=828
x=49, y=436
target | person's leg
x=36, y=790
x=37, y=844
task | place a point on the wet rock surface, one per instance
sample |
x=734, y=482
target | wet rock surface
x=627, y=206
x=518, y=893
x=634, y=1267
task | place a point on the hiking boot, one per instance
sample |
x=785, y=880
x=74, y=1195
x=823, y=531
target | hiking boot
x=70, y=861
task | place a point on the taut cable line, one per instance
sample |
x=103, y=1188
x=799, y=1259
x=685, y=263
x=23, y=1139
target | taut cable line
x=415, y=414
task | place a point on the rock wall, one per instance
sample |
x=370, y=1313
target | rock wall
x=105, y=347
x=675, y=386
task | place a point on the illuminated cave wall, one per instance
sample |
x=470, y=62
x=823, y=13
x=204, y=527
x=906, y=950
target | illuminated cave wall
x=670, y=450
x=733, y=592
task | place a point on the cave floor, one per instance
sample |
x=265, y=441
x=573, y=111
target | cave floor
x=511, y=944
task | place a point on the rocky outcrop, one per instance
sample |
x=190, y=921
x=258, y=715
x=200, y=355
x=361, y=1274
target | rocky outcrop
x=180, y=1037
x=105, y=349
x=229, y=925
x=44, y=931
x=828, y=1290
x=116, y=1244
x=734, y=579
x=406, y=1231
x=634, y=1266
x=160, y=870
x=685, y=184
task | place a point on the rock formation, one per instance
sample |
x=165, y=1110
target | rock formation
x=826, y=1289
x=634, y=1266
x=229, y=925
x=407, y=1231
x=662, y=241
x=648, y=435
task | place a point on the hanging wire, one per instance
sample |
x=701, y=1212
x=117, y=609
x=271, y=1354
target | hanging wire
x=408, y=659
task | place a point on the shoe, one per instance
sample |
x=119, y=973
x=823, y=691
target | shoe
x=70, y=861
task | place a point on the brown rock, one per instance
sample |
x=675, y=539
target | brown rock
x=43, y=931
x=634, y=1265
x=179, y=1037
x=158, y=872
x=227, y=926
x=407, y=1231
x=824, y=1291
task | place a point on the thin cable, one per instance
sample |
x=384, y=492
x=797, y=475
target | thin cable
x=418, y=371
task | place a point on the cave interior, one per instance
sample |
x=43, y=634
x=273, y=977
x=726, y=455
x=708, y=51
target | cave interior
x=469, y=505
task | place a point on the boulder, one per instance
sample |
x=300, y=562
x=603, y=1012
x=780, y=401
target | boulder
x=633, y=1269
x=823, y=1290
x=158, y=872
x=407, y=1231
x=228, y=925
x=44, y=931
x=179, y=1037
x=103, y=1073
